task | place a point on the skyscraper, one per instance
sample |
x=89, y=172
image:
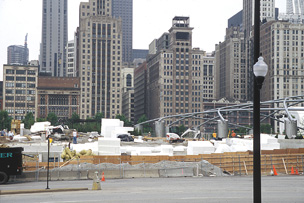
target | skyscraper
x=17, y=54
x=99, y=59
x=294, y=11
x=54, y=37
x=124, y=10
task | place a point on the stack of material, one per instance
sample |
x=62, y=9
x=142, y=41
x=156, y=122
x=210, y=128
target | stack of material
x=200, y=147
x=269, y=143
x=167, y=150
x=108, y=146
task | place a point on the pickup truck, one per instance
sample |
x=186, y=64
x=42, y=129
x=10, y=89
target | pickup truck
x=10, y=163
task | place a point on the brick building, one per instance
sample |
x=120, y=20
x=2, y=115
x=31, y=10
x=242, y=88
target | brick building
x=58, y=95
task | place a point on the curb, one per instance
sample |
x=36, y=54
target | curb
x=8, y=192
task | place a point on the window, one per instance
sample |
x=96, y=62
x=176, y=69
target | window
x=129, y=80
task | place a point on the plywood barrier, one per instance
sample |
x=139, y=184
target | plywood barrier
x=234, y=162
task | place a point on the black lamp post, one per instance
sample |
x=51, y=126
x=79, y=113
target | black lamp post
x=260, y=70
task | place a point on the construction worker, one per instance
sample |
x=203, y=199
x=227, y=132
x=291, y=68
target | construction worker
x=74, y=137
x=233, y=134
x=214, y=134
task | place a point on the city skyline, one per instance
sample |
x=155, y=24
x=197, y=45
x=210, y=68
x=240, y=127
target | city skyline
x=146, y=25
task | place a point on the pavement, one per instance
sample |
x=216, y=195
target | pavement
x=9, y=192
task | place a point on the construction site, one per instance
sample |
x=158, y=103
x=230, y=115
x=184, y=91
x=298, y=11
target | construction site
x=50, y=153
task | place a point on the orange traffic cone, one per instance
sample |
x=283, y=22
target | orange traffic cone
x=274, y=171
x=297, y=172
x=292, y=171
x=103, y=177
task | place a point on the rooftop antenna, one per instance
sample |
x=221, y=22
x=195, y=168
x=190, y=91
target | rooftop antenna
x=25, y=41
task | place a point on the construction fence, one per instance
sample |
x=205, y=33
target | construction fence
x=236, y=163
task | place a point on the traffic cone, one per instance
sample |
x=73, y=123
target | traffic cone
x=103, y=177
x=292, y=171
x=274, y=171
x=297, y=172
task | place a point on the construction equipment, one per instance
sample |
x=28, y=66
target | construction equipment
x=15, y=126
x=192, y=133
x=173, y=137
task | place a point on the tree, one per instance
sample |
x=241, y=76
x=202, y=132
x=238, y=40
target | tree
x=52, y=117
x=98, y=116
x=265, y=128
x=28, y=120
x=146, y=127
x=124, y=119
x=40, y=119
x=5, y=120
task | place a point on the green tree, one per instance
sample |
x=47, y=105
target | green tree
x=265, y=128
x=98, y=117
x=5, y=120
x=52, y=117
x=146, y=127
x=41, y=119
x=181, y=129
x=124, y=119
x=28, y=120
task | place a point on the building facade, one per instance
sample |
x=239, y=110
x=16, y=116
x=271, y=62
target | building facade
x=140, y=91
x=294, y=11
x=99, y=59
x=54, y=37
x=17, y=55
x=175, y=75
x=71, y=54
x=124, y=9
x=232, y=72
x=127, y=74
x=282, y=45
x=19, y=90
x=58, y=95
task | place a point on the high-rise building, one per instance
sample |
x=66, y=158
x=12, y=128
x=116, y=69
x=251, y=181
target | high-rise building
x=71, y=58
x=140, y=91
x=99, y=59
x=232, y=73
x=54, y=37
x=17, y=54
x=124, y=9
x=294, y=11
x=175, y=75
x=283, y=51
x=127, y=77
x=19, y=91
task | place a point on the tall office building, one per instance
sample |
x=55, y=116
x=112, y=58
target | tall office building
x=175, y=75
x=267, y=13
x=124, y=10
x=71, y=53
x=17, y=54
x=232, y=73
x=54, y=37
x=19, y=91
x=294, y=11
x=283, y=52
x=99, y=59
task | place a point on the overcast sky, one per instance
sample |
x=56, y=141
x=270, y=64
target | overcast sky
x=151, y=18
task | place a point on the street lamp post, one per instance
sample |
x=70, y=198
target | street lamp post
x=260, y=70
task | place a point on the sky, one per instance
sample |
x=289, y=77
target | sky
x=151, y=18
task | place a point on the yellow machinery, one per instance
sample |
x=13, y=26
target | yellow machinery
x=15, y=126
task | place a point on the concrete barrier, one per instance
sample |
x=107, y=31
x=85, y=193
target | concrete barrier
x=176, y=172
x=150, y=173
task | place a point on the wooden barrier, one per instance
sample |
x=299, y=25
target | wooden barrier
x=234, y=162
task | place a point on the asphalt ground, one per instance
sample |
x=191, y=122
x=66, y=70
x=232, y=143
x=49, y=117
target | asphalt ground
x=195, y=189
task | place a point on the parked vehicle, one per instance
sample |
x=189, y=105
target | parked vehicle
x=10, y=163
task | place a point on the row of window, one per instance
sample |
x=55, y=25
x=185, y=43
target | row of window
x=20, y=72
